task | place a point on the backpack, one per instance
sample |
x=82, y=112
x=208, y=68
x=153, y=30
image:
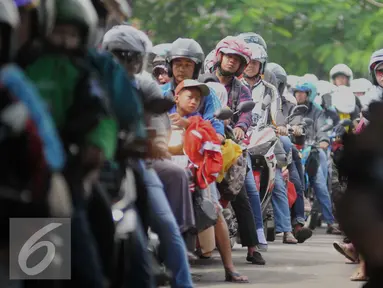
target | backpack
x=234, y=179
x=72, y=92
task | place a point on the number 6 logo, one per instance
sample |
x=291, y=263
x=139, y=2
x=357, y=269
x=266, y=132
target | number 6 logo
x=31, y=246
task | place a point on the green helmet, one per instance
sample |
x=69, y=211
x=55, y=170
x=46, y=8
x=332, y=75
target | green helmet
x=81, y=13
x=9, y=21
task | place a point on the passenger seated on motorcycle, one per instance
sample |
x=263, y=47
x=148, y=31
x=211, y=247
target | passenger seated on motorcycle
x=131, y=46
x=184, y=61
x=295, y=168
x=305, y=94
x=341, y=75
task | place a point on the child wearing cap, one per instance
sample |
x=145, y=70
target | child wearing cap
x=188, y=96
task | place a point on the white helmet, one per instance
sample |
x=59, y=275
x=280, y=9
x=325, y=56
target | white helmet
x=292, y=80
x=343, y=99
x=220, y=91
x=209, y=62
x=259, y=54
x=341, y=69
x=325, y=87
x=361, y=85
x=127, y=38
x=310, y=78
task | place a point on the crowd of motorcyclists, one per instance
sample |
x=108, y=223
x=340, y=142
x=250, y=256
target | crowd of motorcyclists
x=89, y=111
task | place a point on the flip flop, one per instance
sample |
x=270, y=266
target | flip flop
x=359, y=276
x=340, y=249
x=231, y=277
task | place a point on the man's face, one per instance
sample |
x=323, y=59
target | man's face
x=301, y=97
x=253, y=68
x=231, y=63
x=189, y=100
x=183, y=69
x=341, y=80
x=379, y=75
x=66, y=36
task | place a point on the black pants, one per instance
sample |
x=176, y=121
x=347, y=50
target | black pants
x=245, y=218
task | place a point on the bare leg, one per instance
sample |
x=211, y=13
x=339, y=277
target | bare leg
x=223, y=244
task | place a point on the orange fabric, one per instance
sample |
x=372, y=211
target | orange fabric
x=203, y=148
x=291, y=193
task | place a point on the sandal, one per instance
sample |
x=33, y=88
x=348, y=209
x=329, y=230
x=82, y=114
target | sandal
x=235, y=277
x=359, y=275
x=342, y=249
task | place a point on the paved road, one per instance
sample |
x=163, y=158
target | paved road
x=311, y=264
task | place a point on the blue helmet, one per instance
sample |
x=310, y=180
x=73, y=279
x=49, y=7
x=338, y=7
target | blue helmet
x=307, y=87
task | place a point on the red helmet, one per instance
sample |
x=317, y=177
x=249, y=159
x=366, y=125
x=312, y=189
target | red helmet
x=234, y=45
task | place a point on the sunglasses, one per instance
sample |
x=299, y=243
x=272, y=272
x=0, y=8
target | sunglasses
x=379, y=72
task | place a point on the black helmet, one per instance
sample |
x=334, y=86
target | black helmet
x=9, y=21
x=251, y=37
x=186, y=48
x=281, y=75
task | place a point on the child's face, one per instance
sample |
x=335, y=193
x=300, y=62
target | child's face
x=189, y=100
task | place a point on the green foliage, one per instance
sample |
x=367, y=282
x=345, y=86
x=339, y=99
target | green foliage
x=304, y=36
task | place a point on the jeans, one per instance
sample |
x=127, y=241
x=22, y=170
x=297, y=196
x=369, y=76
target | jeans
x=319, y=183
x=140, y=268
x=299, y=205
x=281, y=204
x=163, y=223
x=254, y=198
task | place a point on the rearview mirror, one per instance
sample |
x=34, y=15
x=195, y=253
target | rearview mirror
x=266, y=102
x=224, y=114
x=299, y=110
x=308, y=121
x=246, y=106
x=158, y=105
x=326, y=128
x=345, y=122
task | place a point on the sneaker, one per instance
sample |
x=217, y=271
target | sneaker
x=333, y=230
x=288, y=238
x=302, y=233
x=256, y=258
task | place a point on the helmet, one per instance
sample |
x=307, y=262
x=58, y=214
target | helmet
x=360, y=85
x=210, y=61
x=131, y=42
x=310, y=78
x=186, y=48
x=343, y=99
x=220, y=91
x=270, y=77
x=9, y=21
x=292, y=80
x=324, y=87
x=126, y=38
x=81, y=13
x=341, y=69
x=259, y=54
x=44, y=11
x=307, y=87
x=234, y=45
x=161, y=49
x=251, y=37
x=281, y=75
x=375, y=59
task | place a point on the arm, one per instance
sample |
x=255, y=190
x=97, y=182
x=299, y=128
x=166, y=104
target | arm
x=245, y=119
x=320, y=121
x=212, y=104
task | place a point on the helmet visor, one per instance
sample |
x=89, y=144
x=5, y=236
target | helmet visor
x=185, y=53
